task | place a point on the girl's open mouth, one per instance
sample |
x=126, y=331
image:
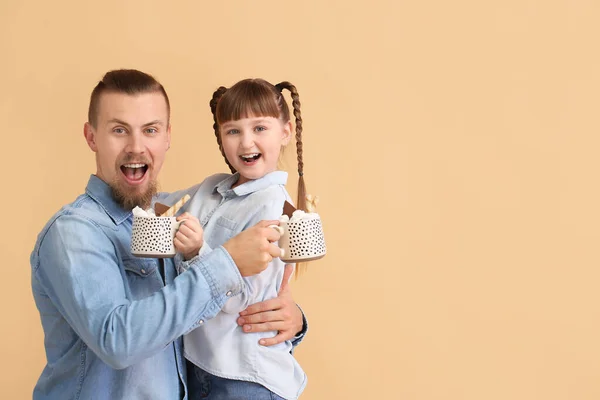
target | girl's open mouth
x=250, y=158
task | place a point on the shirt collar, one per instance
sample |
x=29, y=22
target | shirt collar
x=101, y=192
x=270, y=179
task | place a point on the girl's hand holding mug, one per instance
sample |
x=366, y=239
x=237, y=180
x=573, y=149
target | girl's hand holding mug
x=189, y=237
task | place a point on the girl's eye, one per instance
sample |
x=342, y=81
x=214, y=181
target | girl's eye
x=232, y=131
x=260, y=128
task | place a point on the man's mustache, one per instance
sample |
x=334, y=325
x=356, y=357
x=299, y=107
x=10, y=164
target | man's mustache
x=135, y=159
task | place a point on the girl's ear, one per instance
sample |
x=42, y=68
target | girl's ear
x=287, y=133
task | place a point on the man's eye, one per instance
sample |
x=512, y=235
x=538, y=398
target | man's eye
x=119, y=130
x=151, y=131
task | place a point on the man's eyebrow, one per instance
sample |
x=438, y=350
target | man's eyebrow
x=118, y=121
x=155, y=122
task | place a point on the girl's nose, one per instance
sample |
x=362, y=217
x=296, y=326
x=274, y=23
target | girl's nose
x=247, y=141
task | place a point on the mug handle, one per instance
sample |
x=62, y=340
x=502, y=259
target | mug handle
x=179, y=223
x=277, y=228
x=280, y=230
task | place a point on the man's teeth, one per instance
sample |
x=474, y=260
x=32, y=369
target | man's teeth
x=134, y=165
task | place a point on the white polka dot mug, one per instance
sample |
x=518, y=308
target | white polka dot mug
x=302, y=240
x=152, y=237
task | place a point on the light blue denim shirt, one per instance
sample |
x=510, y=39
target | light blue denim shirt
x=220, y=347
x=112, y=322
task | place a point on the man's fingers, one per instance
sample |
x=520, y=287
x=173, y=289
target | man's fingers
x=279, y=338
x=264, y=327
x=287, y=273
x=275, y=251
x=265, y=223
x=268, y=305
x=261, y=317
x=272, y=235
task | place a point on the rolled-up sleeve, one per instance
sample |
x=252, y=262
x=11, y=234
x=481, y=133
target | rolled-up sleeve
x=296, y=340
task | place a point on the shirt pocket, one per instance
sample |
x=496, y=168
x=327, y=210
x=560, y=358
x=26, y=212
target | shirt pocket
x=143, y=277
x=224, y=229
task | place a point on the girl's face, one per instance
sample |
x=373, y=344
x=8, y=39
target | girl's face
x=252, y=145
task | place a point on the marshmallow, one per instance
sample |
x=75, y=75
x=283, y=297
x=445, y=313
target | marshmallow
x=298, y=216
x=140, y=212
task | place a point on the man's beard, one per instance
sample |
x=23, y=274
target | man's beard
x=129, y=200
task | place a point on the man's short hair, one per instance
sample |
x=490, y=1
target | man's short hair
x=127, y=81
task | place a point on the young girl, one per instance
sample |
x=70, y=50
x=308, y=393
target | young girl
x=252, y=124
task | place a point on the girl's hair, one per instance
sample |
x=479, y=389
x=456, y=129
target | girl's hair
x=258, y=98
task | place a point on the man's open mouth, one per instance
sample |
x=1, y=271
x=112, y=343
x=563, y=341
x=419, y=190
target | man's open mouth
x=250, y=158
x=134, y=172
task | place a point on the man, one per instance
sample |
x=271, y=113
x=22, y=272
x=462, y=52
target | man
x=113, y=322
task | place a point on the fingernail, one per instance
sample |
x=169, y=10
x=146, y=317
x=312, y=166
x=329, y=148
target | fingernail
x=241, y=321
x=282, y=252
x=262, y=342
x=244, y=312
x=247, y=328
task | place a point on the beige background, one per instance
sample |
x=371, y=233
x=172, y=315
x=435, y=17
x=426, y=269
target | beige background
x=453, y=144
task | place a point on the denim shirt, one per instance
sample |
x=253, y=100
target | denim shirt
x=220, y=347
x=112, y=322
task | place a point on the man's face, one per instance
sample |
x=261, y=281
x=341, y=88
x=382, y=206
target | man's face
x=130, y=139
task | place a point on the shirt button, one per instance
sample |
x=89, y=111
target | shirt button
x=228, y=293
x=143, y=271
x=200, y=322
